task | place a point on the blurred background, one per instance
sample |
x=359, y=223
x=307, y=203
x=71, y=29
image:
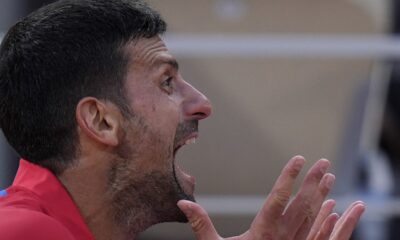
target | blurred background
x=317, y=78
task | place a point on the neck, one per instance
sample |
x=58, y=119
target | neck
x=87, y=185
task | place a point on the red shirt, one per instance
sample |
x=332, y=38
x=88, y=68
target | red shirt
x=38, y=207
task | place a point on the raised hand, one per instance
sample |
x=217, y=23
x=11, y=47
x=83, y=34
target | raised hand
x=306, y=217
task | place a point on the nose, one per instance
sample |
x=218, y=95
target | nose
x=196, y=105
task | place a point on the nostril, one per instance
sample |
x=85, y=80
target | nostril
x=205, y=110
x=198, y=110
x=201, y=115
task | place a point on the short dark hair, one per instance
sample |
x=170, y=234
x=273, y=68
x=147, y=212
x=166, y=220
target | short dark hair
x=56, y=56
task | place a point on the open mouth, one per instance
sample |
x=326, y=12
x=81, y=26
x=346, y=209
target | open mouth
x=185, y=180
x=190, y=139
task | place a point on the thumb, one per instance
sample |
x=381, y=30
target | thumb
x=199, y=220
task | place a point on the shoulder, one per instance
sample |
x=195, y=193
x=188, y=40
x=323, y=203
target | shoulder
x=17, y=223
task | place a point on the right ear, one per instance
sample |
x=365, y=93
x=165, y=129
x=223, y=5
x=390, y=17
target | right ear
x=98, y=120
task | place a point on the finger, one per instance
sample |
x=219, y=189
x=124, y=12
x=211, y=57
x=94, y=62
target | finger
x=324, y=187
x=347, y=223
x=322, y=216
x=302, y=210
x=327, y=227
x=276, y=202
x=346, y=212
x=199, y=220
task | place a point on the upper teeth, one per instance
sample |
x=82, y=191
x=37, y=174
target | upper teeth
x=190, y=141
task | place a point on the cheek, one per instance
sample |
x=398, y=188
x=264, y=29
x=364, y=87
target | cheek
x=145, y=148
x=161, y=112
x=166, y=113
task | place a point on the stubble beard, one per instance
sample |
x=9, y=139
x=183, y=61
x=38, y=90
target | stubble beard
x=140, y=200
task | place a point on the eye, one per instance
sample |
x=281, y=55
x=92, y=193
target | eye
x=167, y=85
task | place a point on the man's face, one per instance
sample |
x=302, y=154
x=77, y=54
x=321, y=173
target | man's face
x=165, y=109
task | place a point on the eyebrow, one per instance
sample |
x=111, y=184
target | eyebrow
x=169, y=61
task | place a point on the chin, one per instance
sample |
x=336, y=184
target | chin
x=185, y=185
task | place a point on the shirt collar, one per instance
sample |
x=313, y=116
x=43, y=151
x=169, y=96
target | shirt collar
x=54, y=196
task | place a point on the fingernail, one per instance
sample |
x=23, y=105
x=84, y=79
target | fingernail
x=330, y=180
x=186, y=208
x=335, y=216
x=331, y=202
x=362, y=204
x=299, y=163
x=325, y=166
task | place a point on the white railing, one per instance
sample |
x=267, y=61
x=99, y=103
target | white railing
x=242, y=205
x=283, y=45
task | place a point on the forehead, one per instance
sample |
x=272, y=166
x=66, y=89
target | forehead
x=150, y=52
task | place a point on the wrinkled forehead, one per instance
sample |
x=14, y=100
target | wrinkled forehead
x=147, y=51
